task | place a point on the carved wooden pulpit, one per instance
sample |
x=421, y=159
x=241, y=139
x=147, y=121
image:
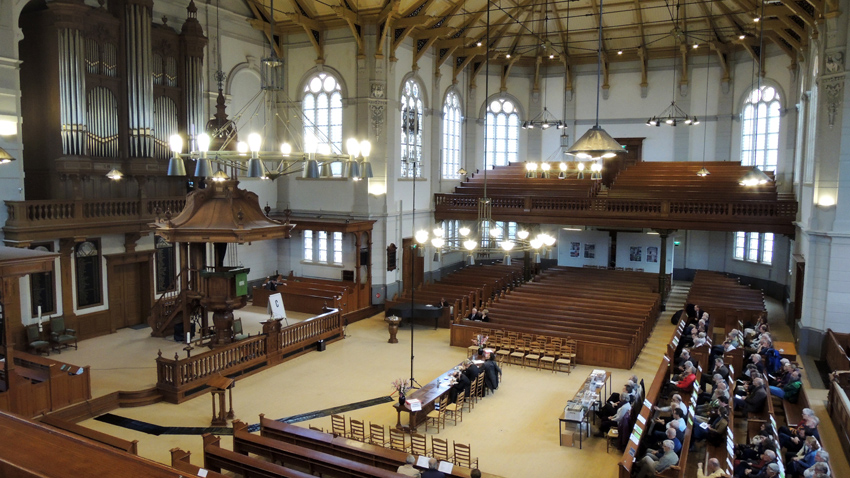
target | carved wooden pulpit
x=219, y=384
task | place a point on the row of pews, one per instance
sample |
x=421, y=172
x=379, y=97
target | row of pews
x=464, y=289
x=609, y=324
x=311, y=295
x=284, y=450
x=641, y=421
x=678, y=179
x=512, y=180
x=727, y=300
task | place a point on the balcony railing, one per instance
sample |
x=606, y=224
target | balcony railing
x=35, y=220
x=763, y=215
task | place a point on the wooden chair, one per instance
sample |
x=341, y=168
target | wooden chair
x=238, y=333
x=60, y=336
x=532, y=355
x=35, y=342
x=317, y=429
x=398, y=440
x=518, y=355
x=564, y=361
x=338, y=426
x=505, y=349
x=549, y=357
x=418, y=444
x=479, y=386
x=440, y=449
x=463, y=456
x=454, y=411
x=356, y=430
x=377, y=436
x=437, y=417
x=573, y=347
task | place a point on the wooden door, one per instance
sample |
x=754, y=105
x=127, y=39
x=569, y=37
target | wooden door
x=128, y=289
x=413, y=272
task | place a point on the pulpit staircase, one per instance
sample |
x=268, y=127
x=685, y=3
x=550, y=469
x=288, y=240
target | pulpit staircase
x=172, y=306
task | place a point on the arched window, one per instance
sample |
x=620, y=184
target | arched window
x=760, y=132
x=411, y=130
x=811, y=126
x=322, y=108
x=451, y=136
x=502, y=133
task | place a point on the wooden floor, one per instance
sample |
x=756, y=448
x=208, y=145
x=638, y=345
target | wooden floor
x=514, y=432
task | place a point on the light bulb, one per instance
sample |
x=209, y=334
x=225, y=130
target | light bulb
x=545, y=166
x=365, y=148
x=507, y=245
x=438, y=231
x=242, y=148
x=531, y=166
x=421, y=236
x=324, y=149
x=563, y=166
x=464, y=231
x=255, y=141
x=580, y=166
x=522, y=234
x=353, y=147
x=285, y=149
x=470, y=245
x=203, y=140
x=438, y=242
x=536, y=243
x=176, y=143
x=310, y=143
x=495, y=232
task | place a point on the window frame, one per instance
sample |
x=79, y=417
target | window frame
x=49, y=278
x=307, y=246
x=753, y=247
x=452, y=137
x=159, y=257
x=323, y=122
x=760, y=140
x=410, y=139
x=336, y=247
x=98, y=270
x=502, y=129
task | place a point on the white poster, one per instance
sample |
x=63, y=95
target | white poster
x=275, y=307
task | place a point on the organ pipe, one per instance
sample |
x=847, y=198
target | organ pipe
x=139, y=80
x=103, y=123
x=72, y=91
x=194, y=89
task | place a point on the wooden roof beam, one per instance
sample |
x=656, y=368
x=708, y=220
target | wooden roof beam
x=727, y=14
x=717, y=42
x=775, y=38
x=644, y=58
x=353, y=21
x=795, y=9
x=778, y=28
x=442, y=59
x=391, y=15
x=506, y=71
x=260, y=23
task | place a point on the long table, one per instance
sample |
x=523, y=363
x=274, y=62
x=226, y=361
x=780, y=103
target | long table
x=427, y=395
x=606, y=383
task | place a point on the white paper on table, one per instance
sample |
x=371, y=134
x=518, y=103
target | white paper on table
x=202, y=472
x=414, y=404
x=445, y=467
x=422, y=462
x=641, y=419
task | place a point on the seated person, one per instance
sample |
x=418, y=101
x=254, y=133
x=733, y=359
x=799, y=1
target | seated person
x=678, y=423
x=459, y=383
x=750, y=468
x=610, y=408
x=650, y=466
x=720, y=395
x=685, y=383
x=474, y=315
x=484, y=316
x=471, y=370
x=712, y=469
x=407, y=469
x=791, y=391
x=809, y=425
x=805, y=458
x=269, y=284
x=713, y=431
x=755, y=398
x=684, y=356
x=716, y=381
x=821, y=465
x=612, y=421
x=700, y=340
x=442, y=303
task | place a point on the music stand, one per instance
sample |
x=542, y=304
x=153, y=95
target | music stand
x=275, y=308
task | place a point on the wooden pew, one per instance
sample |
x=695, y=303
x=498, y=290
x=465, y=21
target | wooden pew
x=217, y=459
x=100, y=437
x=180, y=460
x=344, y=447
x=836, y=346
x=304, y=458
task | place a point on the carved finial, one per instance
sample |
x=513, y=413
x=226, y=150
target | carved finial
x=164, y=20
x=267, y=209
x=176, y=357
x=102, y=3
x=159, y=353
x=192, y=9
x=168, y=214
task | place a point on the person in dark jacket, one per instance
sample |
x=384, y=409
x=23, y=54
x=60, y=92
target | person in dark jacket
x=492, y=373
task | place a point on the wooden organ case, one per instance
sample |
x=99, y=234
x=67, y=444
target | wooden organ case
x=102, y=88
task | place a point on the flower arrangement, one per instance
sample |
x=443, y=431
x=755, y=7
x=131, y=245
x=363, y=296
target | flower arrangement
x=480, y=340
x=401, y=385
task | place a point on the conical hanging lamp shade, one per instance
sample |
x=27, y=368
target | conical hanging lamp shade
x=367, y=169
x=204, y=168
x=311, y=169
x=595, y=143
x=176, y=167
x=354, y=171
x=256, y=169
x=755, y=177
x=703, y=172
x=326, y=170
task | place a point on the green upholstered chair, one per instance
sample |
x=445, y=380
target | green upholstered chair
x=60, y=336
x=35, y=341
x=238, y=333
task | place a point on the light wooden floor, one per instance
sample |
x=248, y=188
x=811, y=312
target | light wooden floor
x=514, y=432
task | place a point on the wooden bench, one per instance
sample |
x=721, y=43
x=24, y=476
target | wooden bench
x=217, y=459
x=100, y=437
x=836, y=346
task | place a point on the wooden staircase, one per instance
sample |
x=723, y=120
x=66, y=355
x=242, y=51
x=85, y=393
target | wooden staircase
x=172, y=306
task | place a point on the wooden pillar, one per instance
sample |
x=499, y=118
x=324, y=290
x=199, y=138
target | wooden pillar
x=662, y=267
x=67, y=248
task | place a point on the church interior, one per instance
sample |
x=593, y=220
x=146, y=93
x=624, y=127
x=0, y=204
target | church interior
x=301, y=210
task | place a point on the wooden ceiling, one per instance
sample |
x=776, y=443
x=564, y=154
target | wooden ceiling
x=558, y=31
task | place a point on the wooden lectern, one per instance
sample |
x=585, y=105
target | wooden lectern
x=219, y=384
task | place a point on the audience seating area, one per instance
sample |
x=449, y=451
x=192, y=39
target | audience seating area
x=511, y=180
x=463, y=289
x=835, y=349
x=726, y=299
x=678, y=179
x=609, y=326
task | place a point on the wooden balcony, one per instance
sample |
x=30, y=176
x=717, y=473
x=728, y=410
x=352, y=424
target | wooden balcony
x=775, y=216
x=30, y=221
